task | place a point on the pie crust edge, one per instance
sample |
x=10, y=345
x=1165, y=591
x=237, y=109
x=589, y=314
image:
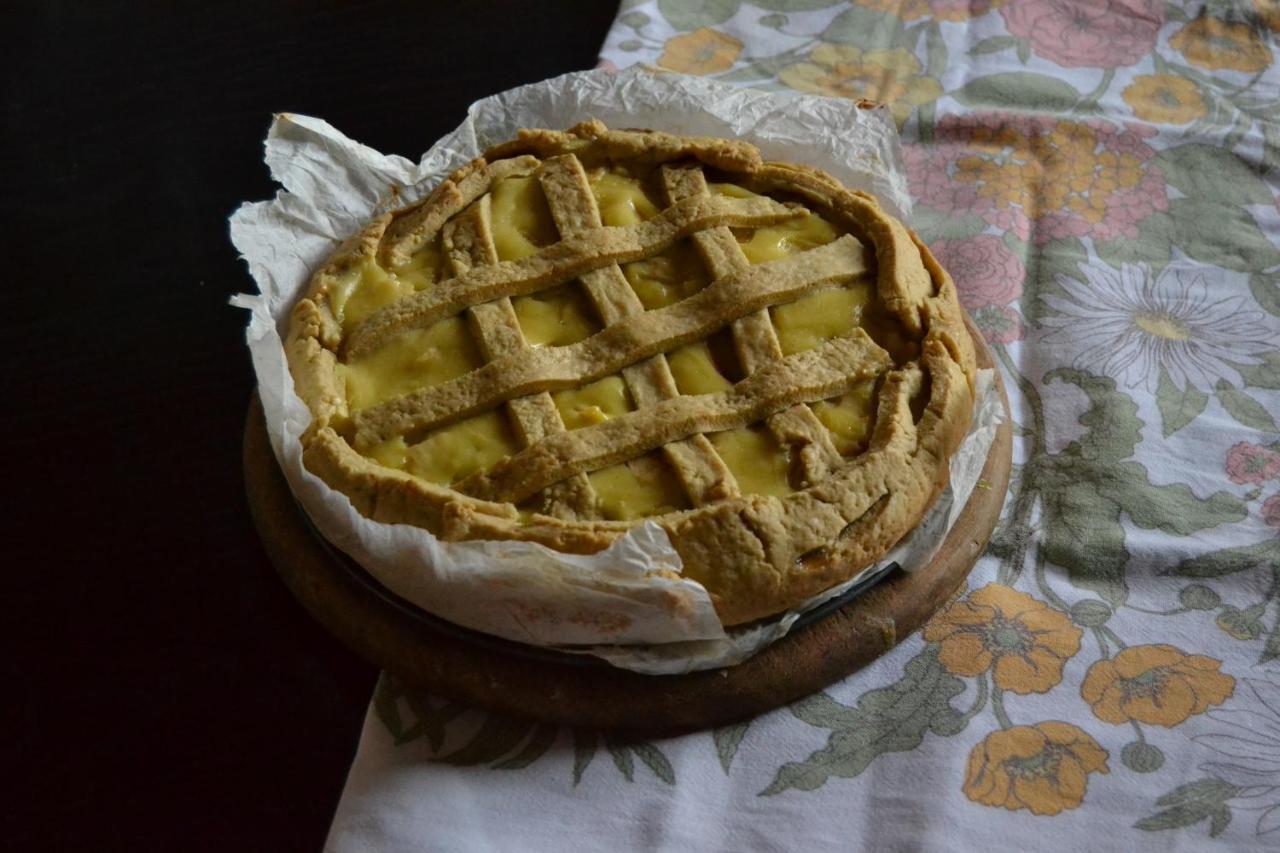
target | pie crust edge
x=756, y=555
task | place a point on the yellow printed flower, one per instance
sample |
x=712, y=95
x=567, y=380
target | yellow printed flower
x=1074, y=178
x=703, y=51
x=1024, y=641
x=1214, y=43
x=1156, y=684
x=1044, y=768
x=1164, y=98
x=890, y=76
x=941, y=10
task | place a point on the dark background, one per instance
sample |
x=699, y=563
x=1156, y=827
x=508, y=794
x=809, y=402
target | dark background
x=160, y=689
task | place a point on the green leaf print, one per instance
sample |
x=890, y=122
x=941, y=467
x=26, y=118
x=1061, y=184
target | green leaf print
x=1244, y=408
x=623, y=752
x=935, y=52
x=1265, y=375
x=1243, y=624
x=621, y=759
x=1173, y=508
x=386, y=704
x=864, y=28
x=585, y=743
x=940, y=225
x=1112, y=420
x=1189, y=804
x=685, y=15
x=795, y=5
x=1152, y=245
x=428, y=719
x=727, y=740
x=994, y=44
x=1083, y=535
x=1266, y=289
x=1060, y=257
x=889, y=719
x=1221, y=234
x=543, y=736
x=500, y=742
x=655, y=761
x=1228, y=561
x=1271, y=649
x=1177, y=408
x=496, y=737
x=1018, y=90
x=1208, y=172
x=1086, y=488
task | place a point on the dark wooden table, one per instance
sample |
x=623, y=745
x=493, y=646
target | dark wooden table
x=160, y=688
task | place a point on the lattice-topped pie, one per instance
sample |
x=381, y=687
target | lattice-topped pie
x=585, y=329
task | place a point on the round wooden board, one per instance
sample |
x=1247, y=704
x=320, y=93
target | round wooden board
x=445, y=662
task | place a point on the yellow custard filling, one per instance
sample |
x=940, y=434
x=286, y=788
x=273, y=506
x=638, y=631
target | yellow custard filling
x=848, y=418
x=758, y=462
x=668, y=277
x=819, y=316
x=522, y=222
x=450, y=453
x=621, y=199
x=695, y=370
x=555, y=317
x=640, y=488
x=786, y=238
x=417, y=358
x=362, y=290
x=521, y=225
x=592, y=404
x=628, y=490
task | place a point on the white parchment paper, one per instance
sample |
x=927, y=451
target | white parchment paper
x=612, y=604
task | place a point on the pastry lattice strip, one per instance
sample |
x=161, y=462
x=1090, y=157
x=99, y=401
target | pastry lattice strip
x=561, y=262
x=832, y=368
x=703, y=474
x=625, y=342
x=632, y=342
x=468, y=242
x=754, y=337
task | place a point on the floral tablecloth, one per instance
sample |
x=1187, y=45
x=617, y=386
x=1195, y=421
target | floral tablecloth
x=1100, y=177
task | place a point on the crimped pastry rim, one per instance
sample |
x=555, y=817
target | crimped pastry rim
x=744, y=550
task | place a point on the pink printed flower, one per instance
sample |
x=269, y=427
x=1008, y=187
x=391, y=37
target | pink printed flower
x=1252, y=463
x=1087, y=33
x=1085, y=179
x=984, y=270
x=1000, y=324
x=1271, y=511
x=929, y=171
x=1011, y=219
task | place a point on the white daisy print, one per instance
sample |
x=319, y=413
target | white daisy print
x=1249, y=745
x=1128, y=324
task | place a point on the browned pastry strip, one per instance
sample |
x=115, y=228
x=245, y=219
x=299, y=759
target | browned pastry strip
x=593, y=139
x=627, y=341
x=757, y=552
x=702, y=472
x=411, y=229
x=832, y=368
x=561, y=262
x=468, y=242
x=755, y=339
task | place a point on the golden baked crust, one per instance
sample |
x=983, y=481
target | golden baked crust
x=757, y=554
